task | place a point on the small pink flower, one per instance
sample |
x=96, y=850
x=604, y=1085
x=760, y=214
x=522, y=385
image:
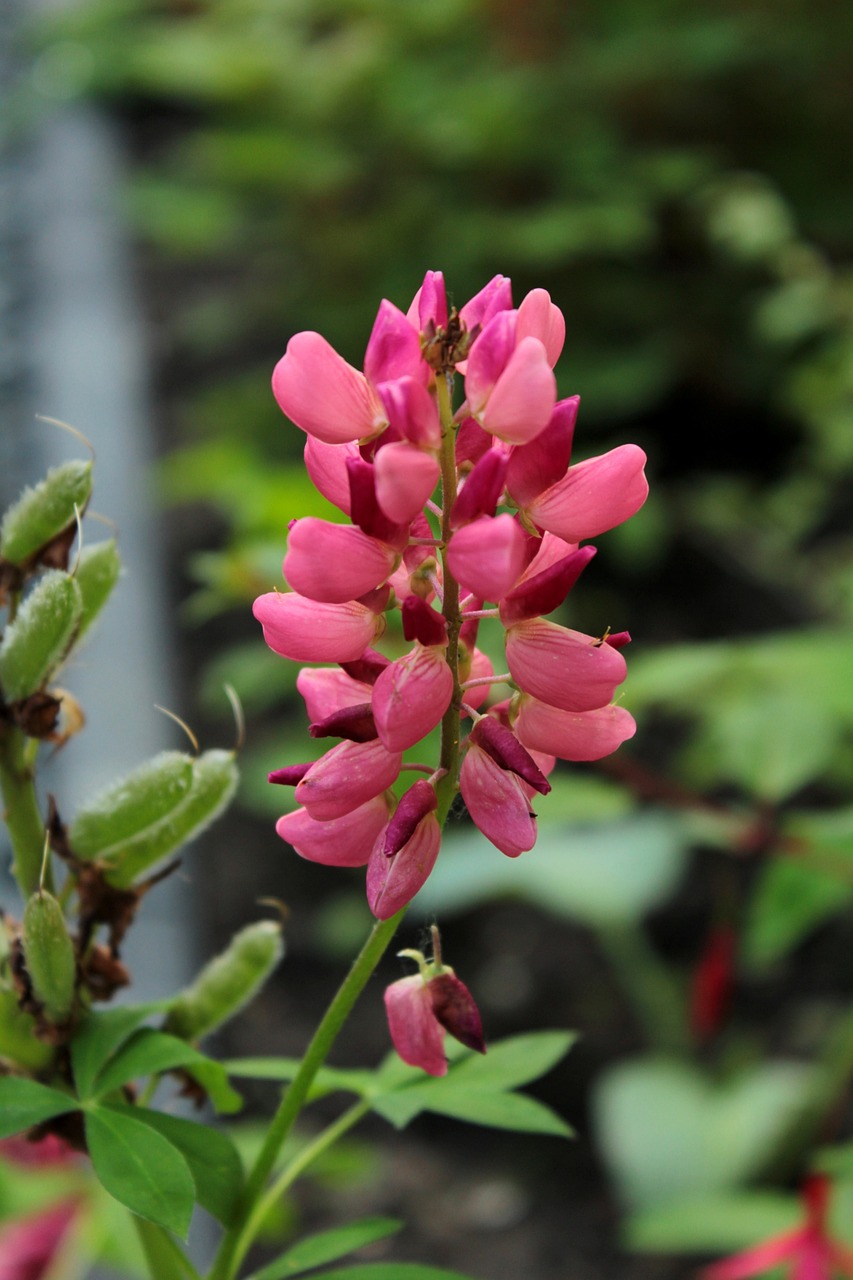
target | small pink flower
x=494, y=297
x=335, y=563
x=311, y=631
x=538, y=317
x=340, y=842
x=411, y=696
x=497, y=803
x=393, y=881
x=428, y=311
x=326, y=465
x=422, y=1008
x=509, y=384
x=323, y=395
x=488, y=556
x=394, y=348
x=327, y=689
x=346, y=777
x=593, y=496
x=572, y=735
x=564, y=668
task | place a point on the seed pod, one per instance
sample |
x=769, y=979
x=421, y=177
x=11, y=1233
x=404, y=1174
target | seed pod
x=132, y=807
x=43, y=513
x=49, y=955
x=214, y=781
x=18, y=1041
x=97, y=573
x=39, y=638
x=228, y=982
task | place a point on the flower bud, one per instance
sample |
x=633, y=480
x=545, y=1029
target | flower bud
x=49, y=955
x=37, y=641
x=41, y=514
x=228, y=983
x=421, y=1008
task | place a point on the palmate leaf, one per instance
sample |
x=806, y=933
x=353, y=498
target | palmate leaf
x=26, y=1102
x=140, y=1168
x=148, y=1052
x=100, y=1036
x=495, y=1109
x=327, y=1246
x=327, y=1080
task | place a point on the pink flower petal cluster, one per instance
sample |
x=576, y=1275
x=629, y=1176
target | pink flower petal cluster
x=423, y=1008
x=504, y=545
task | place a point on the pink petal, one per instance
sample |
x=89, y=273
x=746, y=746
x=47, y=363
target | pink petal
x=326, y=464
x=394, y=347
x=472, y=442
x=489, y=357
x=543, y=592
x=536, y=466
x=493, y=297
x=523, y=399
x=405, y=478
x=341, y=842
x=538, y=317
x=412, y=411
x=323, y=394
x=347, y=776
x=328, y=689
x=411, y=696
x=417, y=1035
x=488, y=556
x=751, y=1262
x=572, y=735
x=393, y=882
x=418, y=801
x=593, y=496
x=497, y=803
x=550, y=551
x=310, y=631
x=429, y=305
x=454, y=1007
x=481, y=491
x=335, y=562
x=561, y=667
x=29, y=1245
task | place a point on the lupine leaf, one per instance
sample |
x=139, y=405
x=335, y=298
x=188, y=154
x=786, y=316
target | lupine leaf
x=26, y=1102
x=493, y=1108
x=723, y=1222
x=141, y=1168
x=327, y=1080
x=99, y=1037
x=327, y=1246
x=146, y=1053
x=515, y=1061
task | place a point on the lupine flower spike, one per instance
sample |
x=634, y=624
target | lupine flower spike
x=464, y=509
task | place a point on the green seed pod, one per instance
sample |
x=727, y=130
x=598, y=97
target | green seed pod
x=35, y=644
x=43, y=513
x=214, y=781
x=18, y=1042
x=131, y=808
x=49, y=955
x=97, y=573
x=228, y=982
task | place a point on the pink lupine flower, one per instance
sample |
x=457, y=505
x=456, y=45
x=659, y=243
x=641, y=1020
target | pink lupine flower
x=497, y=803
x=311, y=631
x=564, y=668
x=428, y=310
x=29, y=1245
x=534, y=467
x=340, y=842
x=326, y=690
x=480, y=494
x=593, y=496
x=393, y=881
x=346, y=777
x=405, y=477
x=422, y=1008
x=510, y=385
x=411, y=696
x=412, y=412
x=494, y=297
x=326, y=465
x=323, y=395
x=539, y=318
x=487, y=556
x=394, y=348
x=572, y=735
x=809, y=1250
x=335, y=563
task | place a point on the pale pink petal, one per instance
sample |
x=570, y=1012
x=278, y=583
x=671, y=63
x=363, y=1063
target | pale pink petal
x=564, y=668
x=323, y=394
x=29, y=1245
x=538, y=317
x=429, y=304
x=393, y=882
x=572, y=735
x=488, y=556
x=755, y=1261
x=523, y=399
x=328, y=689
x=411, y=696
x=405, y=478
x=497, y=803
x=394, y=347
x=411, y=411
x=593, y=496
x=551, y=550
x=416, y=1033
x=489, y=357
x=309, y=631
x=335, y=562
x=326, y=464
x=341, y=842
x=347, y=776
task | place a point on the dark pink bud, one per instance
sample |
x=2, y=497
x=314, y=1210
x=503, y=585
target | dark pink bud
x=422, y=623
x=368, y=667
x=545, y=591
x=354, y=723
x=472, y=442
x=290, y=775
x=392, y=882
x=493, y=297
x=418, y=801
x=618, y=639
x=412, y=411
x=503, y=746
x=481, y=492
x=454, y=1007
x=416, y=1032
x=430, y=304
x=534, y=467
x=365, y=509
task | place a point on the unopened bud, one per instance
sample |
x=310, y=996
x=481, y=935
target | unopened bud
x=354, y=723
x=503, y=746
x=42, y=514
x=38, y=640
x=49, y=955
x=228, y=982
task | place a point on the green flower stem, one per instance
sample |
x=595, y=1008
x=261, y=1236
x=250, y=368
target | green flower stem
x=447, y=785
x=239, y=1238
x=23, y=819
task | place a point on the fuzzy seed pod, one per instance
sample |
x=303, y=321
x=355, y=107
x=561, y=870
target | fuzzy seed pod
x=38, y=640
x=43, y=513
x=49, y=955
x=131, y=808
x=97, y=573
x=228, y=982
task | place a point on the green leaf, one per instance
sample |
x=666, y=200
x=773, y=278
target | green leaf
x=213, y=1078
x=164, y=1257
x=98, y=1038
x=213, y=1159
x=327, y=1080
x=390, y=1271
x=327, y=1246
x=146, y=1053
x=791, y=899
x=140, y=1168
x=25, y=1102
x=495, y=1109
x=837, y=1160
x=513, y=1062
x=716, y=1223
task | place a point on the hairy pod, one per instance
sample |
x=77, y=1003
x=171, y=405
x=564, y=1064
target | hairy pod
x=38, y=640
x=43, y=513
x=228, y=982
x=132, y=807
x=213, y=783
x=96, y=574
x=49, y=955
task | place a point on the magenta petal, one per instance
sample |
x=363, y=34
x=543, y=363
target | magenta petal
x=393, y=882
x=472, y=442
x=757, y=1260
x=543, y=592
x=497, y=803
x=412, y=411
x=405, y=478
x=356, y=724
x=453, y=1005
x=523, y=399
x=411, y=696
x=418, y=801
x=326, y=690
x=488, y=556
x=335, y=562
x=422, y=623
x=417, y=1035
x=593, y=496
x=564, y=668
x=481, y=492
x=489, y=357
x=503, y=746
x=538, y=317
x=493, y=297
x=29, y=1245
x=572, y=735
x=534, y=467
x=310, y=631
x=368, y=667
x=342, y=842
x=323, y=394
x=346, y=777
x=326, y=464
x=394, y=347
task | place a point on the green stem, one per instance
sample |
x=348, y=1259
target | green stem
x=448, y=784
x=23, y=818
x=239, y=1238
x=166, y=1260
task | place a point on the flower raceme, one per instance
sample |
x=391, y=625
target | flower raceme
x=456, y=517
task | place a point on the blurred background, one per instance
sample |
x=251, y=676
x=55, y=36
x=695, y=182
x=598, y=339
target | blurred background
x=675, y=173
